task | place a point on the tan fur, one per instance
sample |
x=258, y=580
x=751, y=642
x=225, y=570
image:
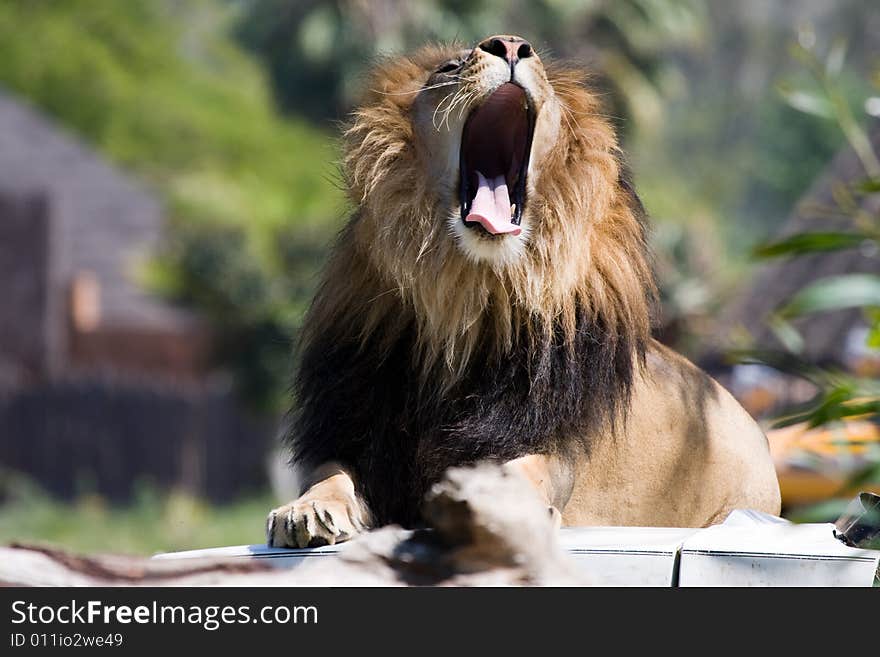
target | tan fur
x=687, y=453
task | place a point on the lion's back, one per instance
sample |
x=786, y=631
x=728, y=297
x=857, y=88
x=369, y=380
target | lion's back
x=688, y=455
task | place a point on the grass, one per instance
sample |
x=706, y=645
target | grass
x=153, y=522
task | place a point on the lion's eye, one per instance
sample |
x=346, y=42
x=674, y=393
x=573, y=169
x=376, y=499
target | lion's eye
x=450, y=66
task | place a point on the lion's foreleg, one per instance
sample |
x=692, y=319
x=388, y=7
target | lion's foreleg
x=551, y=476
x=329, y=511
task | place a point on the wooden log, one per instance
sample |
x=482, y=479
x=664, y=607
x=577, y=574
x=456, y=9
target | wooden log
x=488, y=528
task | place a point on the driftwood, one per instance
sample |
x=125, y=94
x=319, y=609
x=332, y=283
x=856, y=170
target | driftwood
x=487, y=528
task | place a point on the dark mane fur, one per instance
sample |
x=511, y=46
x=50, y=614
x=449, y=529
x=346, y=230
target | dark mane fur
x=364, y=407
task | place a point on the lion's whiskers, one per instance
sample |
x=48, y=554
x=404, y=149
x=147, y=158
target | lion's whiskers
x=415, y=91
x=455, y=99
x=460, y=97
x=437, y=109
x=463, y=101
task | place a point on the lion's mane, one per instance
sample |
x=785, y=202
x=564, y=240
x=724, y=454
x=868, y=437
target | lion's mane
x=414, y=357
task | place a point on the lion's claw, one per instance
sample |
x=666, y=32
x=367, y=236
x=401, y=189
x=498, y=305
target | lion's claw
x=308, y=522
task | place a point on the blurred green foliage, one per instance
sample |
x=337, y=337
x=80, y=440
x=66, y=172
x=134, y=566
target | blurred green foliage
x=168, y=89
x=840, y=394
x=726, y=157
x=316, y=50
x=159, y=87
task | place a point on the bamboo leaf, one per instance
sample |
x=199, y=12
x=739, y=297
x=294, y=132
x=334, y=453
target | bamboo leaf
x=807, y=102
x=786, y=333
x=834, y=293
x=785, y=362
x=833, y=406
x=810, y=243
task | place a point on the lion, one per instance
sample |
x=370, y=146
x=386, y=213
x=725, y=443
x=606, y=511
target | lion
x=491, y=298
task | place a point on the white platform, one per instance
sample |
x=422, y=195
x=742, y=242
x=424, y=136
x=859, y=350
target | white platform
x=748, y=549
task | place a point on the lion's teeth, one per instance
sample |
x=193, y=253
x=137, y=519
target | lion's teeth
x=512, y=209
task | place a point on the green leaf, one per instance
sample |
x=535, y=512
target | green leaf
x=810, y=243
x=786, y=333
x=836, y=57
x=873, y=340
x=785, y=362
x=869, y=186
x=834, y=293
x=834, y=405
x=807, y=102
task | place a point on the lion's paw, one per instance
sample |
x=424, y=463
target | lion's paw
x=310, y=521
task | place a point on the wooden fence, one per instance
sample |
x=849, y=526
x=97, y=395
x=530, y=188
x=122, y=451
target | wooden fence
x=105, y=436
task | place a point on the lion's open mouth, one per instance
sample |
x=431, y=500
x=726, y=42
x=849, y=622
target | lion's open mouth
x=495, y=147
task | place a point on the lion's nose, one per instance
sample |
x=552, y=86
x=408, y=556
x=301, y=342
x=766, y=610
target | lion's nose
x=510, y=48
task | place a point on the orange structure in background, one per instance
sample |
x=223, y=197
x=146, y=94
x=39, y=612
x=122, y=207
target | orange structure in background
x=818, y=464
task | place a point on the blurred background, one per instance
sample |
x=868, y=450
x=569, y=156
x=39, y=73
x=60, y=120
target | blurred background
x=168, y=190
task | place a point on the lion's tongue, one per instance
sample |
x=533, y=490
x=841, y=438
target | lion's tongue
x=491, y=206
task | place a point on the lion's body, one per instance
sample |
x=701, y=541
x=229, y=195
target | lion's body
x=689, y=454
x=431, y=343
